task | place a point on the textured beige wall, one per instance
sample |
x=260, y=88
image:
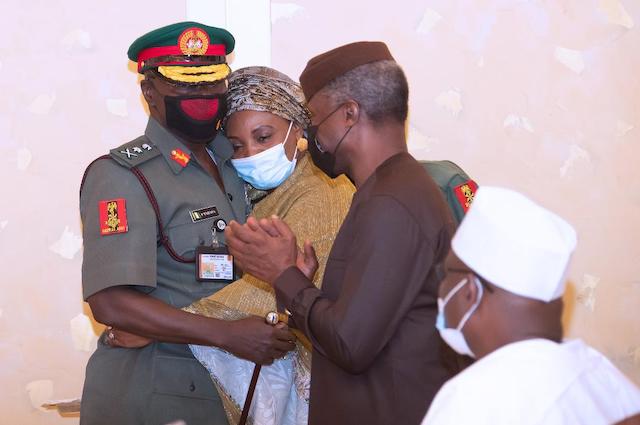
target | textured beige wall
x=487, y=91
x=67, y=97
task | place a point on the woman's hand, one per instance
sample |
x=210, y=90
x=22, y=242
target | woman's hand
x=122, y=339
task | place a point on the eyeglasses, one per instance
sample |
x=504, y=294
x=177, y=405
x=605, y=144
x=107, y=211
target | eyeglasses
x=312, y=131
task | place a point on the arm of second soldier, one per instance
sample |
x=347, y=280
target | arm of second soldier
x=117, y=264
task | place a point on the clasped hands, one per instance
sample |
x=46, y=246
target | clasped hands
x=267, y=247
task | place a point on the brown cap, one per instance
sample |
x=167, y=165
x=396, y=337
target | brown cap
x=324, y=68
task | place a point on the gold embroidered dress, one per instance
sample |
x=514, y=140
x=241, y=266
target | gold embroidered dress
x=314, y=206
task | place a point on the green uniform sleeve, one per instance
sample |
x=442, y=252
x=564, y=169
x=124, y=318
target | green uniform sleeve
x=452, y=199
x=450, y=177
x=127, y=257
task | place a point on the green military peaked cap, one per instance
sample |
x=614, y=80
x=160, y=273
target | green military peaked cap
x=182, y=43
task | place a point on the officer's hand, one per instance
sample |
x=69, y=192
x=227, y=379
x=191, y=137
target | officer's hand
x=120, y=338
x=257, y=341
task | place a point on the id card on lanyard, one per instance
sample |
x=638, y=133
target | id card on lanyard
x=214, y=263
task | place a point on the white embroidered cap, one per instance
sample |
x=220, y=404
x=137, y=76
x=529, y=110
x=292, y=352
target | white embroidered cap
x=515, y=244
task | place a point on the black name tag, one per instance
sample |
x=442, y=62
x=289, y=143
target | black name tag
x=203, y=213
x=214, y=265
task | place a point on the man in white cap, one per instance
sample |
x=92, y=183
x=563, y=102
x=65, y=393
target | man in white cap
x=501, y=303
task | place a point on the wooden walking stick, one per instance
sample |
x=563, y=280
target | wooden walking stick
x=272, y=319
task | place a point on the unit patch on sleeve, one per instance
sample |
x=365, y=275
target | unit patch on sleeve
x=465, y=193
x=113, y=217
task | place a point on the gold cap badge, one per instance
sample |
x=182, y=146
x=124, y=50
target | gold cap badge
x=193, y=41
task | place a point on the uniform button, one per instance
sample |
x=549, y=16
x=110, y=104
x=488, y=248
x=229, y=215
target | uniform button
x=230, y=196
x=192, y=387
x=219, y=225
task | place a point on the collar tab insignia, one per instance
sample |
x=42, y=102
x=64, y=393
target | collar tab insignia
x=180, y=157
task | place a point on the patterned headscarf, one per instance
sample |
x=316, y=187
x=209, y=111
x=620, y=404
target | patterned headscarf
x=258, y=88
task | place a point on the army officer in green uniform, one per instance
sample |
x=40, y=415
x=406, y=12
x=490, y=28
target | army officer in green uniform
x=148, y=210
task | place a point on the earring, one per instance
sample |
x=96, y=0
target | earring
x=302, y=144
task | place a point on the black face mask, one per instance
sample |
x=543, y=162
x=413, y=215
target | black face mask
x=325, y=161
x=196, y=118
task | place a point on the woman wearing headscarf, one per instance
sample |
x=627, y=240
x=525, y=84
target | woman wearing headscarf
x=265, y=123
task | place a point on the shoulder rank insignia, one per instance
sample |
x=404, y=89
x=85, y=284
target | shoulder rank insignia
x=113, y=217
x=135, y=152
x=180, y=157
x=465, y=193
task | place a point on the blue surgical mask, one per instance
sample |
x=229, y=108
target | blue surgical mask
x=454, y=336
x=267, y=169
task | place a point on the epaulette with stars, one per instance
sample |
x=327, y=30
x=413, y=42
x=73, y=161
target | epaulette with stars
x=135, y=152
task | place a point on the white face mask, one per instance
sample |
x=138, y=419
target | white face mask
x=454, y=336
x=269, y=168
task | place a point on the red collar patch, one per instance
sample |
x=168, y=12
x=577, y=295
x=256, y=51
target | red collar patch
x=180, y=157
